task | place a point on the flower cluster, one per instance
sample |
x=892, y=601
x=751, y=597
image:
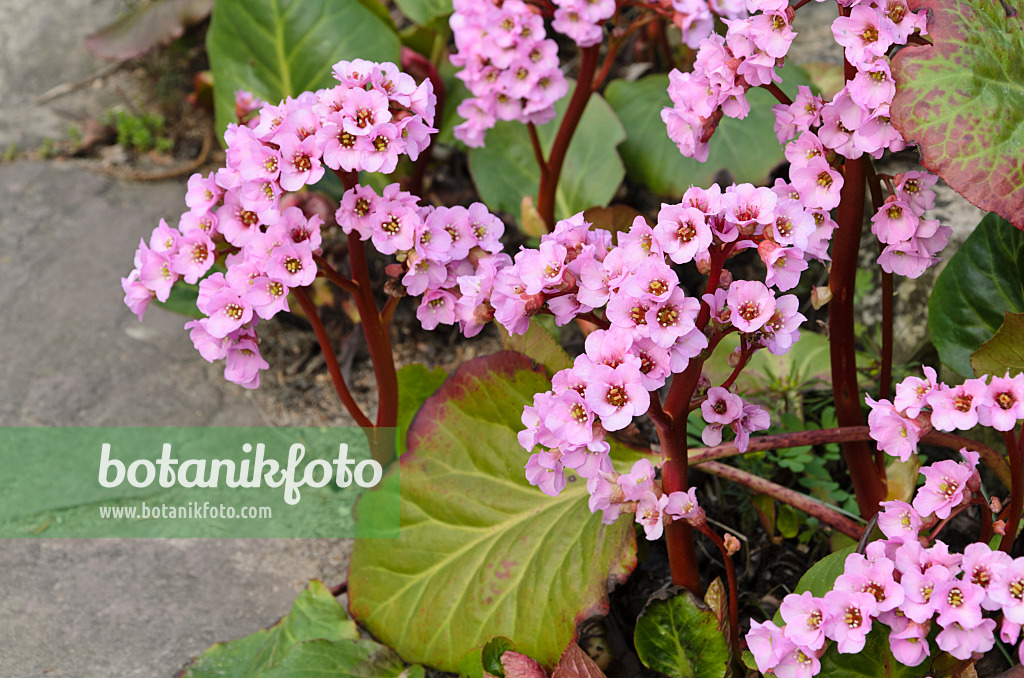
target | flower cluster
x=449, y=255
x=724, y=70
x=906, y=582
x=581, y=20
x=648, y=324
x=923, y=404
x=508, y=64
x=911, y=242
x=375, y=114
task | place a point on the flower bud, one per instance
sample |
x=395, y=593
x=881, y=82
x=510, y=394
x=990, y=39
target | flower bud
x=995, y=505
x=820, y=296
x=725, y=279
x=999, y=527
x=732, y=544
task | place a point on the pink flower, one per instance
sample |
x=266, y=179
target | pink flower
x=895, y=434
x=944, y=489
x=899, y=521
x=849, y=619
x=768, y=644
x=546, y=472
x=617, y=395
x=912, y=393
x=684, y=506
x=804, y=616
x=650, y=514
x=752, y=304
x=638, y=481
x=962, y=642
x=1003, y=404
x=956, y=408
x=721, y=407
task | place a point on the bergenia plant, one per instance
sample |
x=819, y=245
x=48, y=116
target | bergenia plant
x=659, y=297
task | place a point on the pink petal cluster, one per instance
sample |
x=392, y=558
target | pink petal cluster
x=582, y=20
x=508, y=64
x=696, y=18
x=242, y=215
x=912, y=243
x=923, y=404
x=906, y=585
x=725, y=68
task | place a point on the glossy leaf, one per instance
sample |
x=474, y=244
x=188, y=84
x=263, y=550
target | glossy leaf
x=681, y=639
x=982, y=282
x=415, y=384
x=316, y=614
x=481, y=552
x=280, y=48
x=146, y=27
x=490, y=657
x=822, y=575
x=961, y=101
x=746, y=148
x=182, y=300
x=505, y=169
x=424, y=11
x=1004, y=352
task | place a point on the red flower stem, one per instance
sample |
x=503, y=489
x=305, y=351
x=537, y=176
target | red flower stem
x=682, y=555
x=745, y=356
x=418, y=64
x=389, y=310
x=811, y=507
x=378, y=339
x=885, y=369
x=730, y=574
x=781, y=96
x=868, y=483
x=578, y=102
x=1016, y=492
x=960, y=509
x=332, y=274
x=331, y=358
x=800, y=4
x=780, y=441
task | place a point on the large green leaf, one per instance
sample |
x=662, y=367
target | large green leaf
x=1004, y=352
x=341, y=659
x=279, y=48
x=415, y=384
x=505, y=169
x=746, y=148
x=481, y=552
x=874, y=661
x=423, y=11
x=315, y=615
x=681, y=639
x=961, y=100
x=983, y=281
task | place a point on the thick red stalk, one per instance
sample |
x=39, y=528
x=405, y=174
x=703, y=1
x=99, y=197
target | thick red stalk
x=309, y=308
x=1016, y=492
x=868, y=484
x=730, y=575
x=682, y=555
x=577, y=104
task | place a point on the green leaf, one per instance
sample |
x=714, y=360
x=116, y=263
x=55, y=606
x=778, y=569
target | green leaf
x=746, y=148
x=505, y=169
x=340, y=659
x=961, y=100
x=315, y=615
x=280, y=48
x=789, y=521
x=982, y=282
x=424, y=11
x=415, y=384
x=490, y=658
x=681, y=639
x=481, y=552
x=822, y=575
x=1004, y=352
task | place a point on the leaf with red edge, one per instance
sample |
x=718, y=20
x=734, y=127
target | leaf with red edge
x=961, y=100
x=1003, y=353
x=482, y=553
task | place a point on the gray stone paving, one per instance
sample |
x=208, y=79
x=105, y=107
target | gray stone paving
x=71, y=354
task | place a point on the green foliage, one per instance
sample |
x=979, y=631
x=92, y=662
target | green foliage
x=982, y=282
x=280, y=48
x=538, y=345
x=746, y=148
x=477, y=540
x=415, y=384
x=874, y=661
x=142, y=132
x=424, y=11
x=491, y=655
x=505, y=169
x=315, y=615
x=1004, y=352
x=960, y=100
x=680, y=638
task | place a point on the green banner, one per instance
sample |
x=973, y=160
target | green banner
x=194, y=482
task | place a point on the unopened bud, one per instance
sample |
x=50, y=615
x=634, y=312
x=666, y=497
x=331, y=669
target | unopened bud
x=995, y=505
x=699, y=518
x=395, y=270
x=476, y=254
x=532, y=302
x=973, y=483
x=732, y=544
x=703, y=384
x=725, y=279
x=765, y=249
x=820, y=296
x=703, y=265
x=733, y=358
x=999, y=527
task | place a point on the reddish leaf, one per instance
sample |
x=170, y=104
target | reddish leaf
x=961, y=100
x=576, y=664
